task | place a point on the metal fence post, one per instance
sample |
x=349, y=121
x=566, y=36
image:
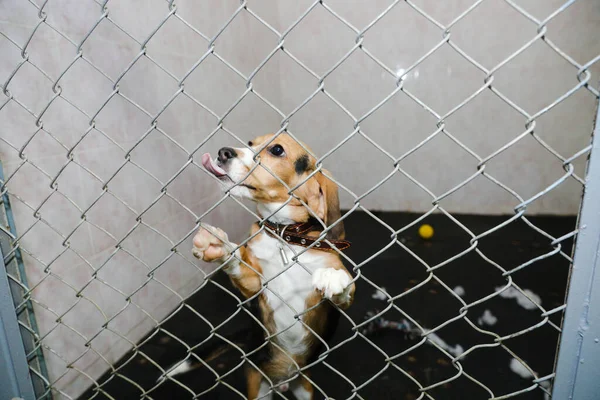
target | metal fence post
x=579, y=354
x=15, y=381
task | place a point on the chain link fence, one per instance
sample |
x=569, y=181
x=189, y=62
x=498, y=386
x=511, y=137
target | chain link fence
x=104, y=179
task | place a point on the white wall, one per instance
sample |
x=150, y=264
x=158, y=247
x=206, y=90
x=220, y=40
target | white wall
x=489, y=34
x=56, y=281
x=58, y=271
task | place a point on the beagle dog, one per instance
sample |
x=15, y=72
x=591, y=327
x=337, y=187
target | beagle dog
x=288, y=288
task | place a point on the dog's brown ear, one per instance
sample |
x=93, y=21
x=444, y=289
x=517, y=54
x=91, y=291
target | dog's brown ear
x=328, y=207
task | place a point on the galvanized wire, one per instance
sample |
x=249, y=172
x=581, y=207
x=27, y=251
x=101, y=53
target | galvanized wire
x=170, y=12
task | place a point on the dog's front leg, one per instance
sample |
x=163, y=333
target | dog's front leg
x=334, y=284
x=212, y=245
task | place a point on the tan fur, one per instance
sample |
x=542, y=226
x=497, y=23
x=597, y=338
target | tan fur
x=321, y=195
x=269, y=189
x=253, y=379
x=248, y=282
x=307, y=385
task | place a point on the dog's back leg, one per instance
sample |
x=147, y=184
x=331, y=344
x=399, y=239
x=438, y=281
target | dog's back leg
x=257, y=386
x=302, y=389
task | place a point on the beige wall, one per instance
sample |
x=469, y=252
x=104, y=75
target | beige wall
x=56, y=281
x=58, y=270
x=489, y=34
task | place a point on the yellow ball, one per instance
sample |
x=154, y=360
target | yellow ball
x=426, y=231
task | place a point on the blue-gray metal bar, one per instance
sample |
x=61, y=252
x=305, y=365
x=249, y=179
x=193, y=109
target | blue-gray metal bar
x=15, y=381
x=578, y=363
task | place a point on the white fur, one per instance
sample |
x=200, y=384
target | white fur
x=293, y=286
x=286, y=292
x=263, y=390
x=246, y=156
x=283, y=216
x=331, y=281
x=300, y=393
x=237, y=169
x=233, y=266
x=241, y=192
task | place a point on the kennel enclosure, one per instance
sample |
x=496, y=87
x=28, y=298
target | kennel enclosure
x=419, y=109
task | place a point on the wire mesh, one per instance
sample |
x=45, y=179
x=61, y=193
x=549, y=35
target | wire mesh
x=93, y=343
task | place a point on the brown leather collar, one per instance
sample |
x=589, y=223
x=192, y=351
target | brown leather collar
x=295, y=234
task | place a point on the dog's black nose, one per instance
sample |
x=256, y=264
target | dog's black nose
x=226, y=153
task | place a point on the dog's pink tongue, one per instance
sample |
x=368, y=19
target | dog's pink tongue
x=211, y=167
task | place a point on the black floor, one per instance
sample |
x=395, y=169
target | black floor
x=397, y=271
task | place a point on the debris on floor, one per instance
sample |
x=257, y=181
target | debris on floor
x=380, y=294
x=512, y=293
x=459, y=290
x=487, y=319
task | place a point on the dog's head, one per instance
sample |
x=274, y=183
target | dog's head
x=282, y=159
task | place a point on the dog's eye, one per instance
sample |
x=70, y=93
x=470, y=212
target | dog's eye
x=250, y=143
x=277, y=150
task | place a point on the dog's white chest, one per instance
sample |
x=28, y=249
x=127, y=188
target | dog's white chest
x=287, y=289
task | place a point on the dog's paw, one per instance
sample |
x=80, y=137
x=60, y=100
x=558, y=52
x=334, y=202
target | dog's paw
x=330, y=281
x=210, y=244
